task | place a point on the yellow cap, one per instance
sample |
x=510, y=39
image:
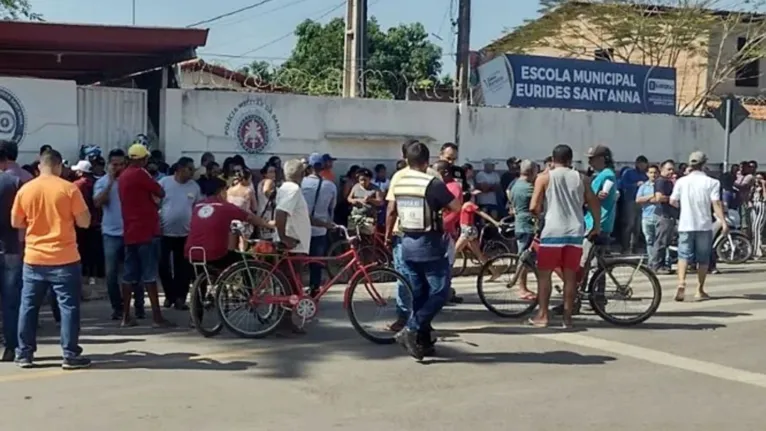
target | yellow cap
x=138, y=151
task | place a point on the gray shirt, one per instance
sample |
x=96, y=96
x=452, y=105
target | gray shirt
x=322, y=203
x=176, y=208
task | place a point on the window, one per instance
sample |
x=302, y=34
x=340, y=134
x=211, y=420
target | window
x=603, y=54
x=746, y=74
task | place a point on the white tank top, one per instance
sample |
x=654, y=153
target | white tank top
x=564, y=203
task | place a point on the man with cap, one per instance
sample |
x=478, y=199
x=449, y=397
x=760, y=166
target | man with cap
x=695, y=195
x=326, y=169
x=139, y=196
x=88, y=239
x=321, y=195
x=604, y=186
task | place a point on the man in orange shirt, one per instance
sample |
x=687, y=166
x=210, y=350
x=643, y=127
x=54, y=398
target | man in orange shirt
x=49, y=207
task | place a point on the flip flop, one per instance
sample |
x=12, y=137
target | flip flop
x=680, y=294
x=528, y=296
x=531, y=322
x=703, y=297
x=163, y=324
x=129, y=324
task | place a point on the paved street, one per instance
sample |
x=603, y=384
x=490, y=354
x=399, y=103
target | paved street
x=694, y=366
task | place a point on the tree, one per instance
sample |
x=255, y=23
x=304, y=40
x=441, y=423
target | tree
x=17, y=9
x=261, y=72
x=690, y=35
x=397, y=59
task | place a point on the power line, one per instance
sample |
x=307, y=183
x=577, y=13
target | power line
x=286, y=35
x=264, y=13
x=228, y=14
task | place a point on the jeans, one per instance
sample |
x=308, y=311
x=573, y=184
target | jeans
x=317, y=248
x=10, y=296
x=114, y=256
x=401, y=306
x=695, y=246
x=66, y=281
x=89, y=245
x=649, y=227
x=431, y=282
x=174, y=270
x=664, y=233
x=141, y=262
x=631, y=213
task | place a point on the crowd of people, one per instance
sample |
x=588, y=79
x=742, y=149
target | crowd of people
x=135, y=220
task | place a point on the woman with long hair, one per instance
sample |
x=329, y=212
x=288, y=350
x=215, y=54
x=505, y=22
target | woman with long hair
x=265, y=193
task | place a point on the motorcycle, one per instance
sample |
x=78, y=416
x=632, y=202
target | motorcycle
x=733, y=248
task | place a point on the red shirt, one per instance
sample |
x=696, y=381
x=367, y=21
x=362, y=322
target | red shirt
x=450, y=219
x=140, y=213
x=209, y=229
x=85, y=184
x=468, y=214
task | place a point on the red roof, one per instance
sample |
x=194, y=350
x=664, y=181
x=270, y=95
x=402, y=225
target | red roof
x=248, y=82
x=90, y=53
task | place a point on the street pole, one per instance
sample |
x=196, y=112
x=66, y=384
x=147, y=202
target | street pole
x=134, y=12
x=727, y=133
x=355, y=48
x=463, y=61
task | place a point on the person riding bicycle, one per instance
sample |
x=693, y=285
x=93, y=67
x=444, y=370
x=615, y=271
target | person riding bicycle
x=210, y=228
x=365, y=198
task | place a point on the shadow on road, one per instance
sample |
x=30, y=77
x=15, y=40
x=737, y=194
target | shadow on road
x=700, y=313
x=446, y=355
x=135, y=359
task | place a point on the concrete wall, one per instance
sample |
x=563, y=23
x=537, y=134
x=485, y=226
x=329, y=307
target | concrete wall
x=356, y=131
x=37, y=111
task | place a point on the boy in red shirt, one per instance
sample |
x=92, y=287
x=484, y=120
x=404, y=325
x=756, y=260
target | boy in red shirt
x=469, y=235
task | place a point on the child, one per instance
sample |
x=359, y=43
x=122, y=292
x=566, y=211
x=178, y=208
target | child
x=469, y=235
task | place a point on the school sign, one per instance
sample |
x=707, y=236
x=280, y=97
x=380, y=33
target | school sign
x=529, y=81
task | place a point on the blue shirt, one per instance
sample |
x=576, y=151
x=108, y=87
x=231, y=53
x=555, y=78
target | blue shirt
x=629, y=183
x=647, y=189
x=321, y=204
x=607, y=204
x=111, y=219
x=428, y=246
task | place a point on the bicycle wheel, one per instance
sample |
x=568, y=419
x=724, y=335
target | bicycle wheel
x=398, y=297
x=372, y=254
x=735, y=251
x=498, y=286
x=602, y=297
x=202, y=305
x=233, y=296
x=494, y=248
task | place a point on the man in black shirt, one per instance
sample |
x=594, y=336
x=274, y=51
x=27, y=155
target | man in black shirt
x=666, y=216
x=10, y=260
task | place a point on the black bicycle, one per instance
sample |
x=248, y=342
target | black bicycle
x=591, y=287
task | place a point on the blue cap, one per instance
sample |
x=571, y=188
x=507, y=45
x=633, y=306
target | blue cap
x=328, y=158
x=316, y=160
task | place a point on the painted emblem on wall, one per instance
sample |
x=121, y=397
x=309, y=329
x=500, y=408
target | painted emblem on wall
x=13, y=118
x=254, y=125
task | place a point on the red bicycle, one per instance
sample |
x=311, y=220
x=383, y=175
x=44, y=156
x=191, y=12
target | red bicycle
x=371, y=248
x=265, y=291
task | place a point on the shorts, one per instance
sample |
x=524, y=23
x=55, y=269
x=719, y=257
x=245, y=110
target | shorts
x=141, y=262
x=566, y=257
x=469, y=232
x=524, y=241
x=696, y=246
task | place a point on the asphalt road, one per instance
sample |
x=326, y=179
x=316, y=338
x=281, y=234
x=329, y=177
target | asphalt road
x=694, y=366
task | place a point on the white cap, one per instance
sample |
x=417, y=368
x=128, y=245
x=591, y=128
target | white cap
x=82, y=166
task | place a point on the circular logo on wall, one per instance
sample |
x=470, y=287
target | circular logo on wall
x=253, y=124
x=13, y=118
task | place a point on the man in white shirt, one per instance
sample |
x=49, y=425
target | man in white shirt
x=292, y=212
x=695, y=194
x=488, y=181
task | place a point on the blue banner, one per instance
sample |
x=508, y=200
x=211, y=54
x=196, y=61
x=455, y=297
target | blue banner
x=529, y=81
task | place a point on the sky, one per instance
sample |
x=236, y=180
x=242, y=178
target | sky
x=264, y=33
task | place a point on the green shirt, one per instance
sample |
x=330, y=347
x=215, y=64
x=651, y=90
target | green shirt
x=521, y=197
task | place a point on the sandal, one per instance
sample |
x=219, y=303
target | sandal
x=528, y=296
x=162, y=324
x=680, y=294
x=701, y=296
x=535, y=324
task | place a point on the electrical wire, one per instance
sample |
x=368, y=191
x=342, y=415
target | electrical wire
x=228, y=14
x=259, y=15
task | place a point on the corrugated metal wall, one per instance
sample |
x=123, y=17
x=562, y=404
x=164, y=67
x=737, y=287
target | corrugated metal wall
x=110, y=117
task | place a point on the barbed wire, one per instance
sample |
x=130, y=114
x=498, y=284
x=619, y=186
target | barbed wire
x=277, y=79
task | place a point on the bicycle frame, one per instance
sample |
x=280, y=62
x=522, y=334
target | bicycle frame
x=285, y=266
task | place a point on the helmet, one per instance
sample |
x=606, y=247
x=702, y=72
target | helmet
x=142, y=139
x=88, y=152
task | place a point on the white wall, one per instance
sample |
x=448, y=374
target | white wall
x=358, y=131
x=50, y=115
x=498, y=133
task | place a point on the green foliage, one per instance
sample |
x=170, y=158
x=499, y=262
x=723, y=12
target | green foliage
x=398, y=58
x=17, y=9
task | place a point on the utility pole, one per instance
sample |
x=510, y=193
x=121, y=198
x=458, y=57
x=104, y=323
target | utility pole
x=355, y=49
x=463, y=61
x=463, y=49
x=134, y=12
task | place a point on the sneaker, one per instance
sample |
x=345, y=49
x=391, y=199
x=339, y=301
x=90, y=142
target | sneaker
x=167, y=303
x=181, y=305
x=140, y=313
x=76, y=363
x=409, y=340
x=92, y=281
x=116, y=315
x=24, y=362
x=8, y=355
